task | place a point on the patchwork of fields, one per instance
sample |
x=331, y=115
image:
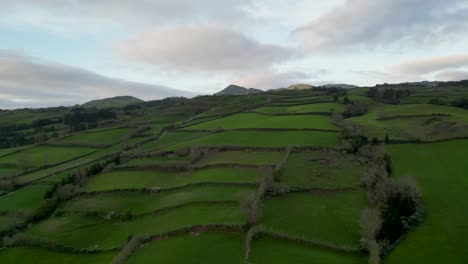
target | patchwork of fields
x=267, y=180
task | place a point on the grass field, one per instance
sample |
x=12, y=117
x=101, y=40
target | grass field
x=140, y=203
x=243, y=157
x=331, y=218
x=83, y=232
x=45, y=256
x=157, y=160
x=46, y=155
x=127, y=179
x=322, y=169
x=307, y=108
x=253, y=120
x=25, y=199
x=264, y=139
x=271, y=251
x=204, y=248
x=98, y=138
x=305, y=98
x=439, y=170
x=402, y=126
x=170, y=138
x=6, y=172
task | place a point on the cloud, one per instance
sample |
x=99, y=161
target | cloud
x=91, y=13
x=452, y=76
x=377, y=23
x=271, y=80
x=202, y=48
x=35, y=82
x=424, y=66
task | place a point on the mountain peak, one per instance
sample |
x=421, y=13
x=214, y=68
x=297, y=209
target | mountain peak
x=238, y=90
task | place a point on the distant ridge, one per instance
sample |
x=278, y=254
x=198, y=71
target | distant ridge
x=238, y=90
x=118, y=101
x=340, y=85
x=300, y=86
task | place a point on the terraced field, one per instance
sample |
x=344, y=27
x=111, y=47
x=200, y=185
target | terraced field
x=265, y=178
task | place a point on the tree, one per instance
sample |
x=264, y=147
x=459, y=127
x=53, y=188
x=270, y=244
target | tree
x=387, y=139
x=24, y=163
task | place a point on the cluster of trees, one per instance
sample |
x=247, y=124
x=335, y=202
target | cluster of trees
x=397, y=205
x=388, y=95
x=86, y=118
x=15, y=135
x=460, y=103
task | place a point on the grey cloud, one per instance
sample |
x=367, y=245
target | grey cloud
x=123, y=12
x=202, y=48
x=377, y=23
x=452, y=76
x=432, y=65
x=35, y=82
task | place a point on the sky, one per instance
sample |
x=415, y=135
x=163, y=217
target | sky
x=66, y=52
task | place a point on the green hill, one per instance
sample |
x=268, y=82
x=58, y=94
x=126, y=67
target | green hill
x=113, y=102
x=355, y=175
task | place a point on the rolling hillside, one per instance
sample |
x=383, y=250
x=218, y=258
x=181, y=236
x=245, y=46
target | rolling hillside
x=288, y=176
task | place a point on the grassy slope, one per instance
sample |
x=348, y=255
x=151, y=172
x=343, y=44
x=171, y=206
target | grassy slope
x=140, y=203
x=264, y=139
x=252, y=120
x=440, y=171
x=82, y=232
x=331, y=218
x=243, y=157
x=124, y=179
x=205, y=248
x=27, y=198
x=319, y=169
x=44, y=256
x=105, y=137
x=267, y=250
x=323, y=107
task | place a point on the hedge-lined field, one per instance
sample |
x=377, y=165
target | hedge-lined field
x=139, y=203
x=98, y=138
x=253, y=120
x=322, y=169
x=79, y=231
x=135, y=179
x=45, y=156
x=243, y=157
x=306, y=108
x=264, y=139
x=158, y=160
x=45, y=256
x=25, y=199
x=203, y=248
x=170, y=138
x=274, y=251
x=439, y=170
x=330, y=218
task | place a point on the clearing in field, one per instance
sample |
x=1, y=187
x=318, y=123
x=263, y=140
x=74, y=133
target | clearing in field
x=154, y=179
x=439, y=170
x=200, y=248
x=327, y=217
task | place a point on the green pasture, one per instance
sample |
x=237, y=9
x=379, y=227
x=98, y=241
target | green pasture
x=134, y=179
x=243, y=157
x=305, y=98
x=139, y=203
x=45, y=155
x=98, y=138
x=331, y=218
x=25, y=199
x=170, y=138
x=206, y=247
x=157, y=160
x=307, y=108
x=264, y=139
x=322, y=169
x=439, y=170
x=81, y=231
x=265, y=250
x=6, y=172
x=45, y=256
x=253, y=120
